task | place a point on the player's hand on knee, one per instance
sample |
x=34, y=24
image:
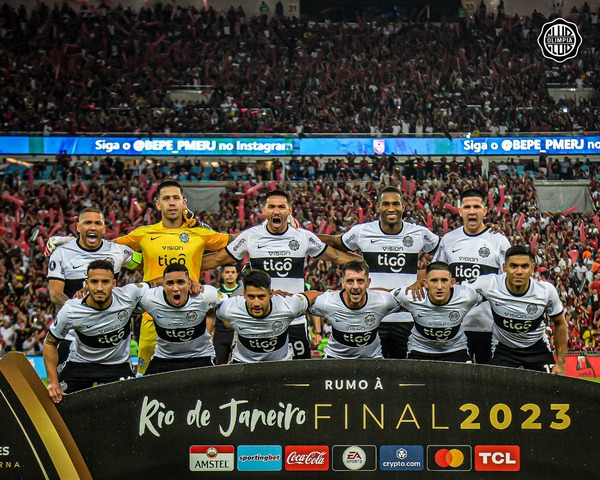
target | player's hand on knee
x=56, y=393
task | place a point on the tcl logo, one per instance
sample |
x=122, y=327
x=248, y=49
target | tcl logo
x=307, y=457
x=497, y=458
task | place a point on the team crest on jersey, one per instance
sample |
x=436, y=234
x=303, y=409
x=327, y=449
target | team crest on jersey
x=454, y=316
x=484, y=252
x=408, y=241
x=294, y=245
x=370, y=320
x=191, y=316
x=277, y=326
x=123, y=315
x=184, y=237
x=532, y=309
x=52, y=265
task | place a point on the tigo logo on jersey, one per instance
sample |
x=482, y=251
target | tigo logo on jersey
x=307, y=457
x=497, y=458
x=213, y=458
x=259, y=458
x=449, y=457
x=401, y=457
x=353, y=457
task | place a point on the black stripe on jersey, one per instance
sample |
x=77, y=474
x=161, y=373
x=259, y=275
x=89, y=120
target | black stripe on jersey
x=181, y=334
x=517, y=325
x=392, y=262
x=470, y=271
x=280, y=267
x=264, y=344
x=105, y=340
x=438, y=334
x=355, y=339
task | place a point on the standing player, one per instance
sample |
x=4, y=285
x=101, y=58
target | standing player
x=261, y=319
x=180, y=320
x=169, y=241
x=67, y=266
x=520, y=306
x=354, y=314
x=472, y=251
x=280, y=250
x=438, y=333
x=223, y=336
x=392, y=248
x=100, y=351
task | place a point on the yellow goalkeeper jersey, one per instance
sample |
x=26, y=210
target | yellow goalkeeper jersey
x=162, y=246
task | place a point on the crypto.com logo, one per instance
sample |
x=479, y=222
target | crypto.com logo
x=559, y=40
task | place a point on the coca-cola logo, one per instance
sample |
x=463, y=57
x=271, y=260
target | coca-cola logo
x=307, y=457
x=312, y=458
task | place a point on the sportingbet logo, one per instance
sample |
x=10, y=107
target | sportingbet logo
x=213, y=458
x=497, y=458
x=456, y=458
x=307, y=457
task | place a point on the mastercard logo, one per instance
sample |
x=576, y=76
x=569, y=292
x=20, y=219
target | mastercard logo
x=449, y=457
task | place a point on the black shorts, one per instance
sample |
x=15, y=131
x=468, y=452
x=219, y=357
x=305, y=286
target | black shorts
x=162, y=365
x=461, y=356
x=222, y=341
x=75, y=376
x=298, y=337
x=536, y=357
x=394, y=338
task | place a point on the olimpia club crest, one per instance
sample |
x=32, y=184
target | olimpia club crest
x=559, y=40
x=379, y=146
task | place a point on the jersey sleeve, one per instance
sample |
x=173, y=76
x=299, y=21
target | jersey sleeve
x=315, y=246
x=390, y=302
x=297, y=304
x=554, y=307
x=318, y=307
x=351, y=237
x=430, y=240
x=56, y=268
x=440, y=254
x=402, y=299
x=132, y=239
x=62, y=324
x=482, y=284
x=239, y=247
x=213, y=241
x=212, y=296
x=475, y=297
x=136, y=291
x=126, y=254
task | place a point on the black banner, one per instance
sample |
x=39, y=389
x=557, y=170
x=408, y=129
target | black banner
x=329, y=418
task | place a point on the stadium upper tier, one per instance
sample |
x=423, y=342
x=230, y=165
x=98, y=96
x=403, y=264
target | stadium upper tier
x=169, y=69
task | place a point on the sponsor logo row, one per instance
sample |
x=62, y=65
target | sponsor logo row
x=266, y=458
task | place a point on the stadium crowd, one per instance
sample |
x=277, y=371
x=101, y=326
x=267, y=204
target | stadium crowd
x=566, y=246
x=105, y=69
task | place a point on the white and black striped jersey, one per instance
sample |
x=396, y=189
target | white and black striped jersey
x=519, y=320
x=354, y=331
x=101, y=336
x=282, y=256
x=392, y=258
x=469, y=257
x=262, y=339
x=439, y=328
x=181, y=331
x=69, y=262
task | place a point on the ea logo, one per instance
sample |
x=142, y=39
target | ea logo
x=449, y=458
x=354, y=458
x=559, y=40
